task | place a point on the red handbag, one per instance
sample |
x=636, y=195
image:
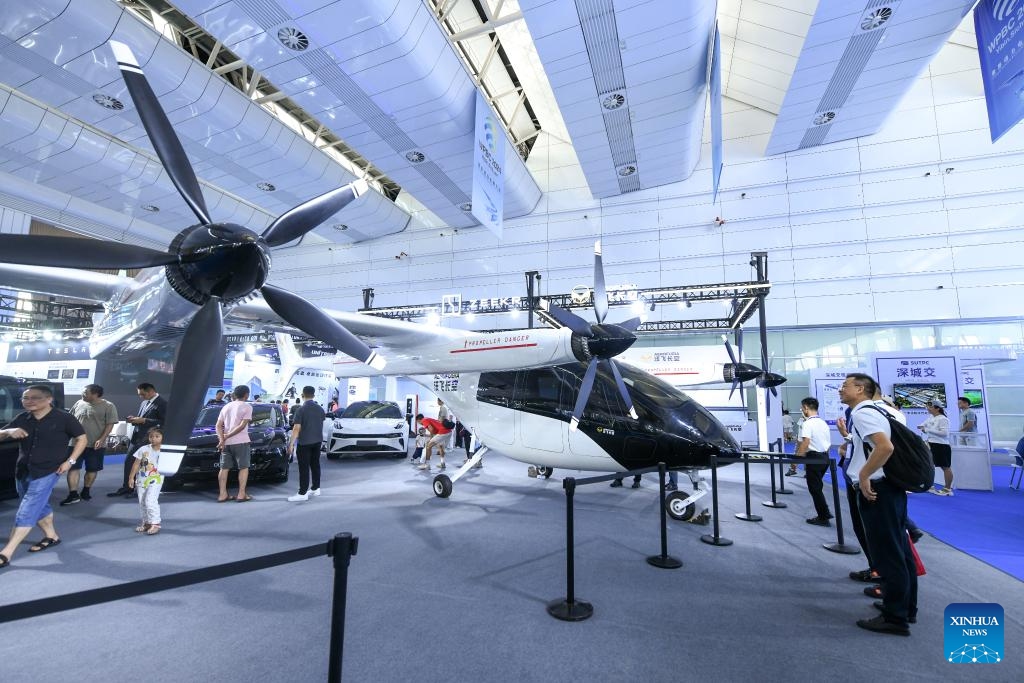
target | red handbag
x=917, y=558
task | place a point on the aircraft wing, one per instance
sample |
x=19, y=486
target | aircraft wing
x=82, y=285
x=413, y=348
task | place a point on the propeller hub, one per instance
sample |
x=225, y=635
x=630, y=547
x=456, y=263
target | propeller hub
x=770, y=379
x=740, y=372
x=222, y=260
x=606, y=341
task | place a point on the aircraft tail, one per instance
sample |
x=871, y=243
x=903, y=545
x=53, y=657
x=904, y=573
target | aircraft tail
x=286, y=350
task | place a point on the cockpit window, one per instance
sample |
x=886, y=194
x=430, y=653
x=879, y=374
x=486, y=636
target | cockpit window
x=496, y=388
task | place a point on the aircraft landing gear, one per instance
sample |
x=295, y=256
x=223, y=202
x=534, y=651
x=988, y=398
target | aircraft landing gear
x=678, y=506
x=443, y=484
x=682, y=505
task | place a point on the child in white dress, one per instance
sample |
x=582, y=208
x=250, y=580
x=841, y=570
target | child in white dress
x=147, y=482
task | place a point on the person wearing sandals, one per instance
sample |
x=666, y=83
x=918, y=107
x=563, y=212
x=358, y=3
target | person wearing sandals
x=234, y=444
x=44, y=433
x=147, y=481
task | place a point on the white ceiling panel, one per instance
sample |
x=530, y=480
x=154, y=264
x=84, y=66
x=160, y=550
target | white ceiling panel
x=875, y=51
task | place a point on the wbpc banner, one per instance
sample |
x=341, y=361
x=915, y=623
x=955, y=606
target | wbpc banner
x=999, y=26
x=488, y=168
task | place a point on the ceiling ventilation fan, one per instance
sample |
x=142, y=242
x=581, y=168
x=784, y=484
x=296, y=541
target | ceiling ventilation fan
x=596, y=343
x=210, y=264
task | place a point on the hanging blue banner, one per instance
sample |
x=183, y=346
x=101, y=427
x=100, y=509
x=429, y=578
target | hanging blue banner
x=716, y=112
x=488, y=168
x=999, y=27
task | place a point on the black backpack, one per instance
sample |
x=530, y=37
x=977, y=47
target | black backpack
x=448, y=424
x=910, y=466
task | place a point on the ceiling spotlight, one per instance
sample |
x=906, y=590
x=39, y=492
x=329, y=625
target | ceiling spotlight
x=626, y=171
x=415, y=156
x=465, y=206
x=265, y=186
x=152, y=208
x=949, y=169
x=613, y=101
x=340, y=227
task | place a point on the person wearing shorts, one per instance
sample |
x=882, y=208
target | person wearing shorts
x=43, y=432
x=98, y=416
x=233, y=443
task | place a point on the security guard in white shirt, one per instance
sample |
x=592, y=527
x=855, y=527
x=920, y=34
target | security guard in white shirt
x=883, y=508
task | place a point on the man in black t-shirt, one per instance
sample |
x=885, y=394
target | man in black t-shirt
x=44, y=433
x=307, y=436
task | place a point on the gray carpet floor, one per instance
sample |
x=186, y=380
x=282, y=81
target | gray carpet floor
x=455, y=589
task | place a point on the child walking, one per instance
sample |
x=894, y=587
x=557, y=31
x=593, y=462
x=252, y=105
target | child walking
x=147, y=482
x=421, y=441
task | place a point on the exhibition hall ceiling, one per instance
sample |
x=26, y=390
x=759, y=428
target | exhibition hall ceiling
x=386, y=89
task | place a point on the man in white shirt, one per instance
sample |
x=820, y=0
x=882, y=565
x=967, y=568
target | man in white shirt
x=815, y=442
x=883, y=508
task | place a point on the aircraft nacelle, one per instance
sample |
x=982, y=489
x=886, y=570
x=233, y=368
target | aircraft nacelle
x=740, y=372
x=221, y=260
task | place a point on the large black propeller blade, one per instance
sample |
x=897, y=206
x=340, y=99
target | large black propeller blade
x=202, y=345
x=296, y=222
x=584, y=395
x=567, y=318
x=161, y=134
x=298, y=312
x=600, y=294
x=64, y=252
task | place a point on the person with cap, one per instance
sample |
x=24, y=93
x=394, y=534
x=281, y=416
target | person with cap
x=935, y=430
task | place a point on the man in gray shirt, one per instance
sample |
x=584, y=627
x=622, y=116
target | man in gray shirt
x=98, y=416
x=968, y=421
x=307, y=436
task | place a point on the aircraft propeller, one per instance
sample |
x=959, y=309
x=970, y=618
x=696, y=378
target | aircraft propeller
x=596, y=343
x=210, y=264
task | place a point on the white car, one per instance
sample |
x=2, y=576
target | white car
x=366, y=427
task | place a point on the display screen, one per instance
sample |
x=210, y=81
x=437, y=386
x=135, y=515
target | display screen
x=974, y=396
x=918, y=395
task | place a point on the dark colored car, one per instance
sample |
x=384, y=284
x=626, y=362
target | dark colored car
x=11, y=389
x=268, y=435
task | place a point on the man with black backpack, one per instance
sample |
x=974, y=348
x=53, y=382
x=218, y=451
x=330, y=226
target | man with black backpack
x=883, y=508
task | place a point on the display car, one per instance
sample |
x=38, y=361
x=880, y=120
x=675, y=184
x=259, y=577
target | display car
x=366, y=427
x=11, y=389
x=268, y=435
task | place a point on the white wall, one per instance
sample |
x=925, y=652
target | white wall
x=865, y=230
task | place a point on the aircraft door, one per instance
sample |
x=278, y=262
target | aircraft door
x=538, y=404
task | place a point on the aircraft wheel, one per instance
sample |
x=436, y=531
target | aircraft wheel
x=443, y=486
x=545, y=472
x=675, y=508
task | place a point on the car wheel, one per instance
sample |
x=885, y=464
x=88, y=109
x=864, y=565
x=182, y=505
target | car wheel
x=282, y=477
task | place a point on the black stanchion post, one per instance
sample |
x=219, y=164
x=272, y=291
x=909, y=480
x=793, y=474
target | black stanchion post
x=774, y=502
x=342, y=547
x=664, y=561
x=782, y=475
x=747, y=516
x=715, y=539
x=839, y=546
x=570, y=609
